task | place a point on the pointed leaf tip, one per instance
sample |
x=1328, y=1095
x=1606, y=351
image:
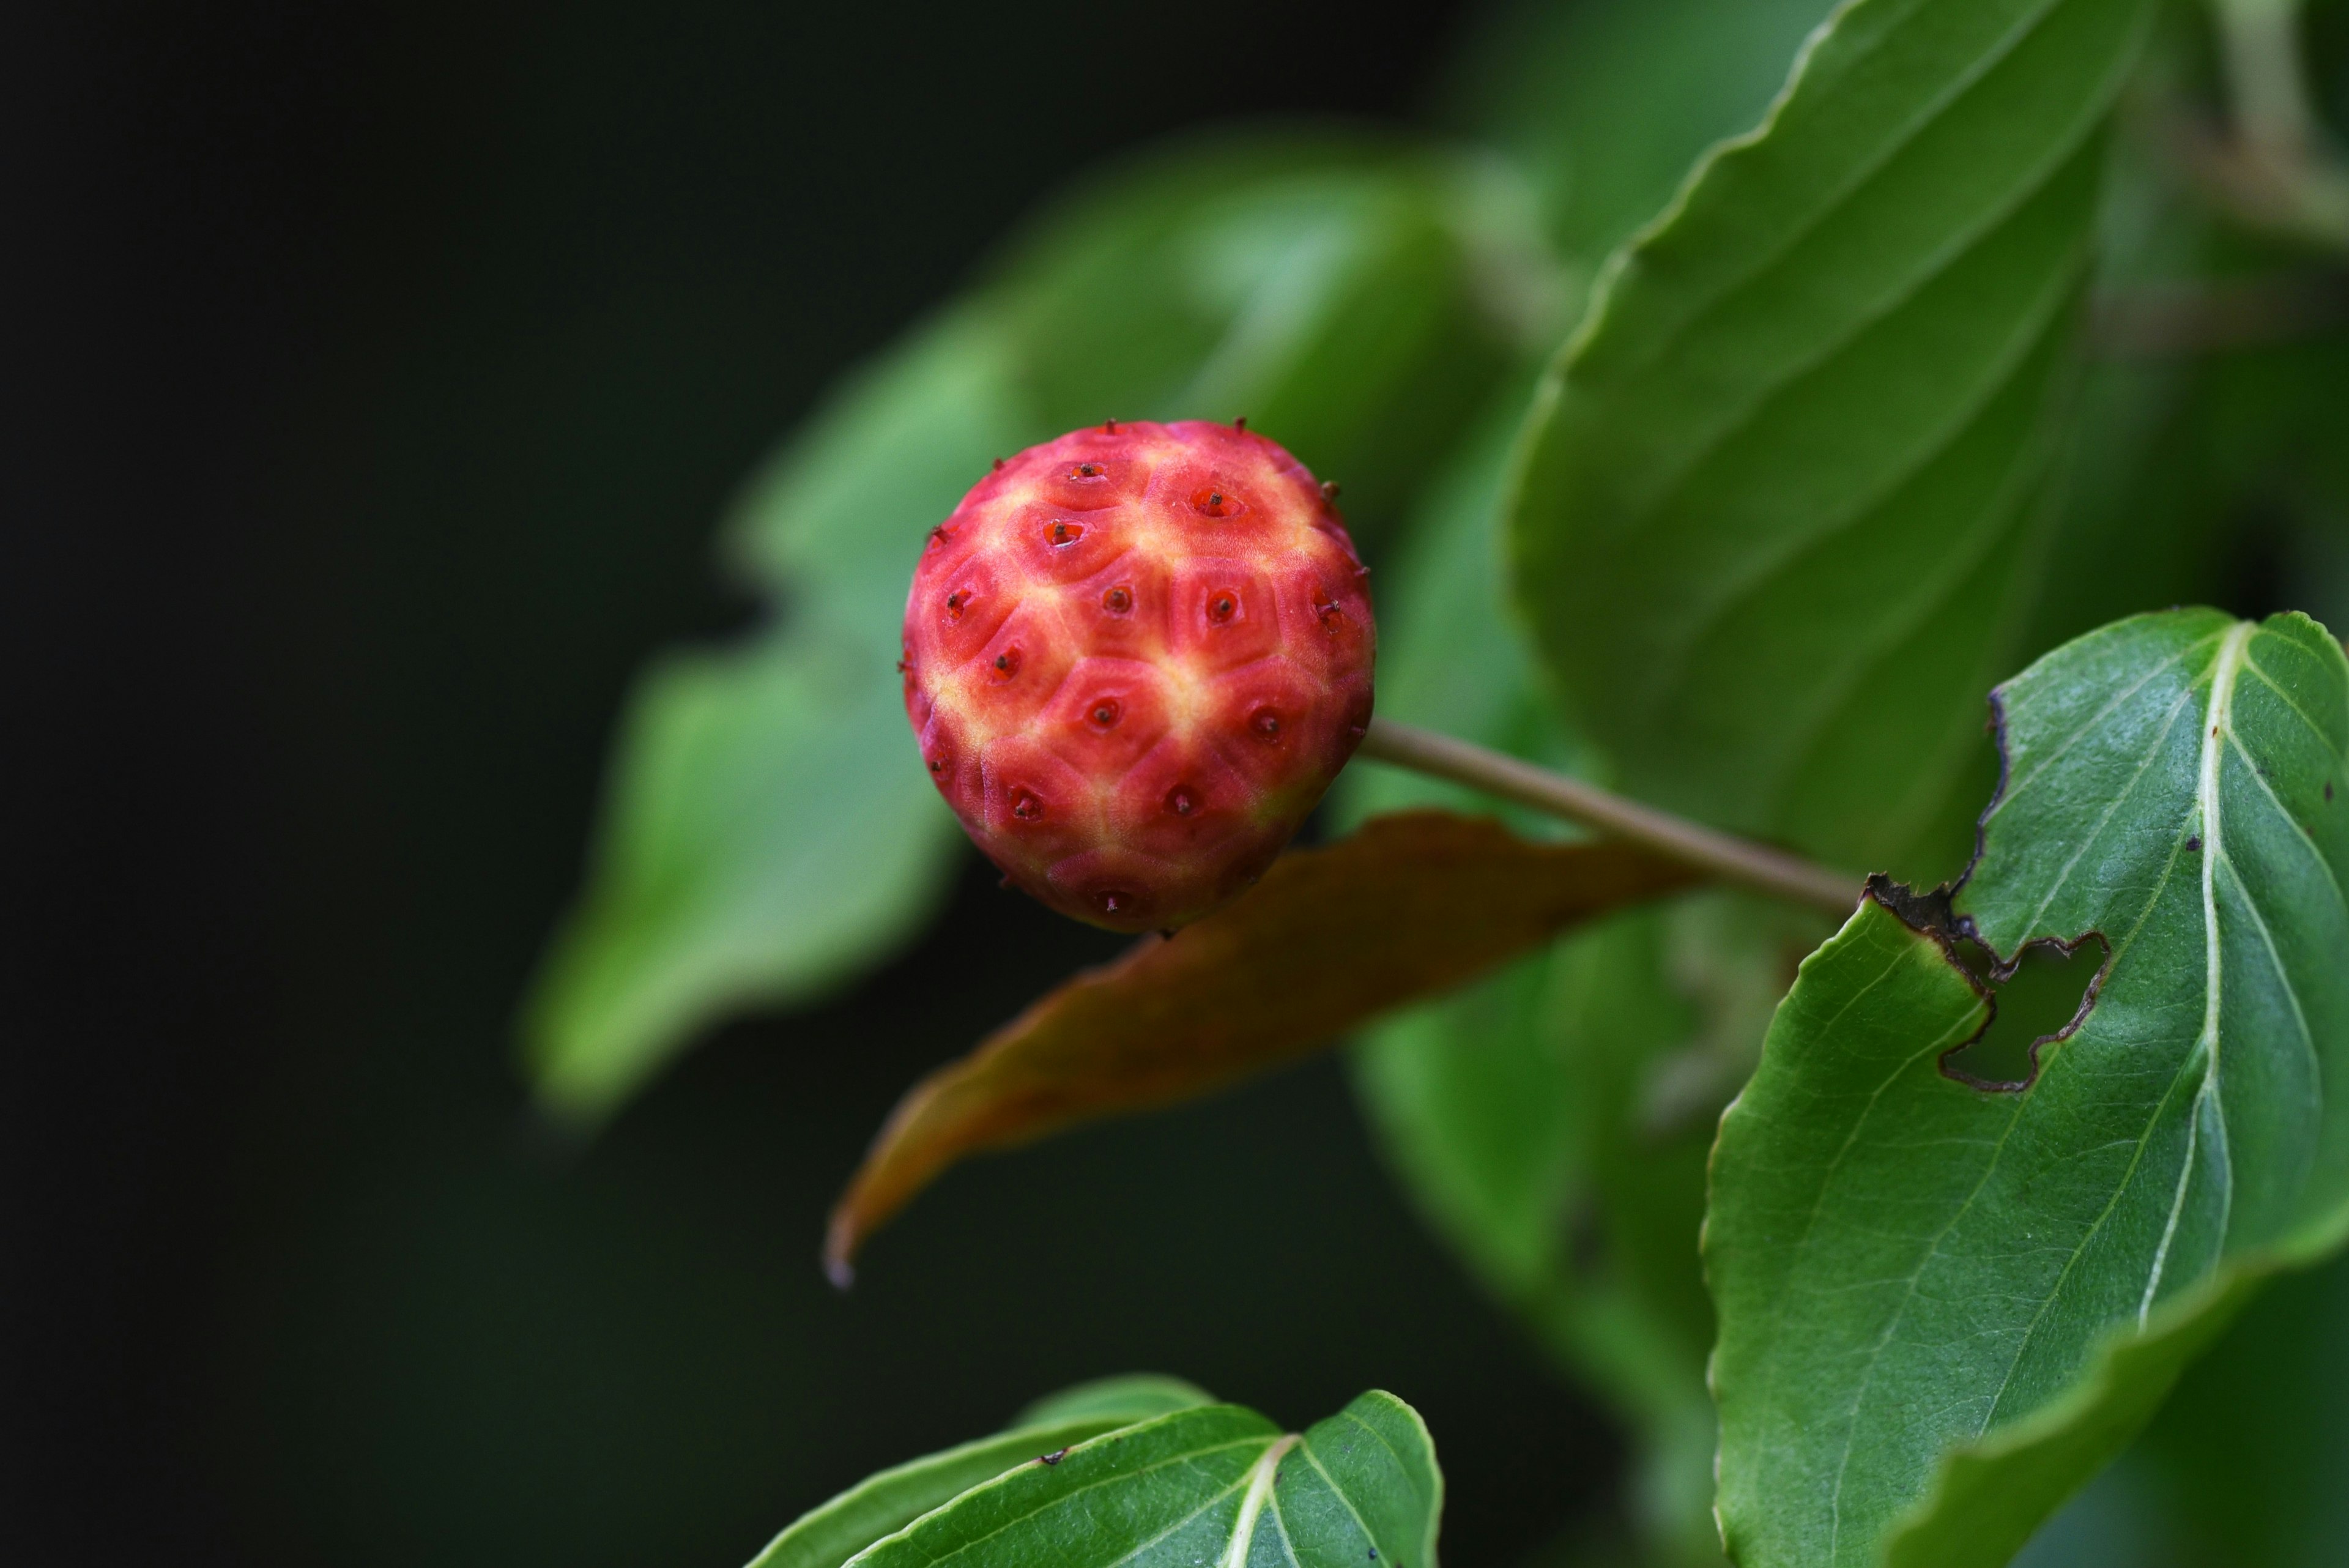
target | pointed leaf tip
x=1415, y=903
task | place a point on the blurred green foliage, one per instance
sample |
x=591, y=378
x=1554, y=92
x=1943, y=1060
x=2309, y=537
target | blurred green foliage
x=1729, y=478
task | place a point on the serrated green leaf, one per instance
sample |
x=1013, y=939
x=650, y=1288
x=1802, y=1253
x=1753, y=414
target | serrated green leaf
x=1219, y=1484
x=1776, y=518
x=1941, y=1306
x=1134, y=1397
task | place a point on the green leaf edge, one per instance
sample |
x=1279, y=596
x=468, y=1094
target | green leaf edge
x=888, y=1500
x=1133, y=1397
x=2124, y=1386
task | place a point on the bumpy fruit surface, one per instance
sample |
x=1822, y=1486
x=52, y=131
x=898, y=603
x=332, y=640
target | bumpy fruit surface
x=1135, y=657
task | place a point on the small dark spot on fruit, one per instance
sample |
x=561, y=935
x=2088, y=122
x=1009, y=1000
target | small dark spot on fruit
x=1329, y=490
x=955, y=602
x=938, y=764
x=903, y=666
x=1332, y=618
x=1105, y=713
x=999, y=463
x=1006, y=664
x=1065, y=533
x=1024, y=806
x=1109, y=427
x=1222, y=608
x=1214, y=501
x=937, y=536
x=1180, y=801
x=2194, y=843
x=1086, y=471
x=1118, y=600
x=1266, y=722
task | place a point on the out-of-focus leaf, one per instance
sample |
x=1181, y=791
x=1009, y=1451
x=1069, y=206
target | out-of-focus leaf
x=1776, y=520
x=1943, y=1307
x=1515, y=1110
x=1354, y=297
x=2250, y=1457
x=1606, y=104
x=1134, y=1397
x=1411, y=905
x=768, y=831
x=1219, y=1484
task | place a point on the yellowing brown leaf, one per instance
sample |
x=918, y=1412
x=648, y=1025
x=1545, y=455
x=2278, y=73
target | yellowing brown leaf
x=1415, y=903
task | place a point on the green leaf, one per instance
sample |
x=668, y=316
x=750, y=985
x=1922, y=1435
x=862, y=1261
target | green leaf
x=1354, y=296
x=1135, y=1396
x=1606, y=104
x=1218, y=1484
x=768, y=833
x=1943, y=1306
x=886, y=1504
x=1521, y=1112
x=1780, y=505
x=2250, y=1459
x=764, y=835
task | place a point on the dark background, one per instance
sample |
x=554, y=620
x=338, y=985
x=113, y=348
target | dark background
x=370, y=377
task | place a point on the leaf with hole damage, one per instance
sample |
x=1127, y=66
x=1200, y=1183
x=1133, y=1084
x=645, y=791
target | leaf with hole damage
x=1780, y=504
x=1412, y=904
x=1220, y=1485
x=1943, y=1306
x=883, y=1505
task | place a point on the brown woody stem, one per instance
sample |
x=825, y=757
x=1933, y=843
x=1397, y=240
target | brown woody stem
x=1741, y=862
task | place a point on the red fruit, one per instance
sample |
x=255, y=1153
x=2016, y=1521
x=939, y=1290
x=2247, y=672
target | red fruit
x=1135, y=657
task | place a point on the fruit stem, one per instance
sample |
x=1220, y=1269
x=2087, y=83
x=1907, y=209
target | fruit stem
x=1754, y=867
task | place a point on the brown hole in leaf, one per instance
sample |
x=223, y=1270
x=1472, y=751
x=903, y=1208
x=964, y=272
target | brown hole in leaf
x=2042, y=996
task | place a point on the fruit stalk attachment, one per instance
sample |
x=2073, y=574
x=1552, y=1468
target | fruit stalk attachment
x=1740, y=862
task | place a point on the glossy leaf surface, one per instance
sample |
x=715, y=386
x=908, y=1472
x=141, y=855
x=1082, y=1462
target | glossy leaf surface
x=1220, y=1485
x=883, y=1505
x=1776, y=518
x=1942, y=1306
x=1412, y=904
